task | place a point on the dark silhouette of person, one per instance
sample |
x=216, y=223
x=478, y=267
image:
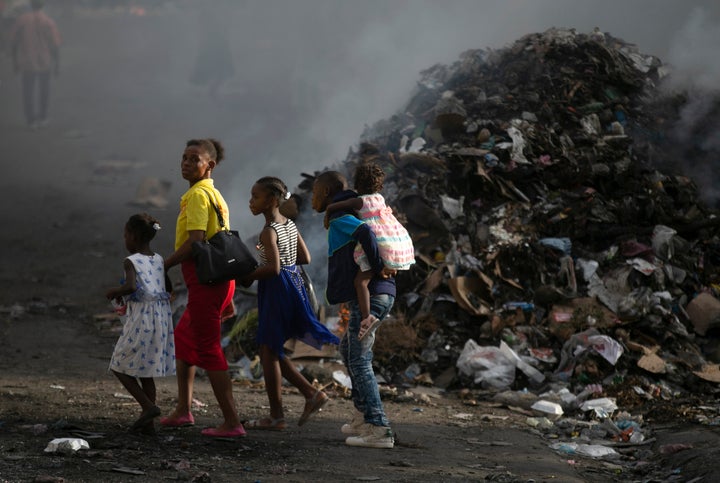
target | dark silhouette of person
x=35, y=47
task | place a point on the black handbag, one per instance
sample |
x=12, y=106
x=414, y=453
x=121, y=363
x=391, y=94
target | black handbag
x=224, y=256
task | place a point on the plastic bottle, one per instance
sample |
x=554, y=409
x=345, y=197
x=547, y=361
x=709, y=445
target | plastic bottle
x=524, y=306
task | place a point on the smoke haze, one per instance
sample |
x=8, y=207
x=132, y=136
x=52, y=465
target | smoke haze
x=307, y=77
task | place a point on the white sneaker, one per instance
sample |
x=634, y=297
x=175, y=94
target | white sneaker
x=355, y=426
x=373, y=437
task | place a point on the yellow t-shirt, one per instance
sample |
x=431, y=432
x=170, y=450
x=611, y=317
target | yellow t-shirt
x=196, y=212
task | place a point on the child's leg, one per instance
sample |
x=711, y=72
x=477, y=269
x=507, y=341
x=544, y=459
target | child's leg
x=148, y=387
x=273, y=380
x=314, y=398
x=146, y=399
x=133, y=387
x=362, y=281
x=293, y=376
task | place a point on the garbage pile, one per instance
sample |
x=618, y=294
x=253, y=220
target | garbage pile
x=549, y=247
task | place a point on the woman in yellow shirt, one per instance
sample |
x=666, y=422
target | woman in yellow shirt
x=197, y=335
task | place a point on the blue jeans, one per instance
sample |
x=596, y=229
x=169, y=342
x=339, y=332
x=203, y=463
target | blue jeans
x=357, y=356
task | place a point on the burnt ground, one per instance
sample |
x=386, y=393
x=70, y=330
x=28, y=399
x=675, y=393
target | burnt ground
x=63, y=212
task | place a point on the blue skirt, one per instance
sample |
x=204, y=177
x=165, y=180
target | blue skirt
x=284, y=313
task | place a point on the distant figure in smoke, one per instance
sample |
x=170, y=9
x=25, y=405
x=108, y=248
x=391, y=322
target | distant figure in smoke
x=146, y=347
x=35, y=47
x=214, y=63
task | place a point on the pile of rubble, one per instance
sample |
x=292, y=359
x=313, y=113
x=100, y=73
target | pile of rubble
x=549, y=247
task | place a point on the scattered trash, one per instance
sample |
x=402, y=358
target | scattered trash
x=549, y=408
x=558, y=271
x=66, y=445
x=343, y=379
x=128, y=471
x=592, y=450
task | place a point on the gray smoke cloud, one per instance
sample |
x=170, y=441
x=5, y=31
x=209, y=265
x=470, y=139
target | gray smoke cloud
x=307, y=76
x=693, y=52
x=356, y=63
x=696, y=72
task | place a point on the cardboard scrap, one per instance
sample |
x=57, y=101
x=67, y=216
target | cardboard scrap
x=710, y=372
x=463, y=288
x=650, y=361
x=704, y=312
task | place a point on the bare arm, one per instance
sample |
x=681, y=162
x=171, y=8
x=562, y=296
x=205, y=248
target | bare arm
x=128, y=287
x=185, y=250
x=303, y=254
x=268, y=238
x=351, y=204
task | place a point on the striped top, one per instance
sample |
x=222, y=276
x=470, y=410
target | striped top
x=287, y=236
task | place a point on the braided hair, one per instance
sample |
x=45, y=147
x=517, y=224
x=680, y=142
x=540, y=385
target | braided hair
x=143, y=227
x=275, y=186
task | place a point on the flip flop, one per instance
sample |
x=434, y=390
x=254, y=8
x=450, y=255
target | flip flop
x=312, y=406
x=365, y=329
x=266, y=424
x=184, y=420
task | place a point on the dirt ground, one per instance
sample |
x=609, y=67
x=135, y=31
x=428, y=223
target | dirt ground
x=63, y=214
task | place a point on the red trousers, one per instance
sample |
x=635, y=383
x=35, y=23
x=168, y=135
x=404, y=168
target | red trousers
x=197, y=335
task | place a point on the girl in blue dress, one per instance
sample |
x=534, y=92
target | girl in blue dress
x=284, y=310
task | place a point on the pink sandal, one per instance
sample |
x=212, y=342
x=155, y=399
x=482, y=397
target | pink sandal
x=178, y=422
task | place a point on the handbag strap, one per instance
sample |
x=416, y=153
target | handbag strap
x=221, y=221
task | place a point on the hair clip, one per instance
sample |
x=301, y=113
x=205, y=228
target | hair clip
x=156, y=226
x=287, y=195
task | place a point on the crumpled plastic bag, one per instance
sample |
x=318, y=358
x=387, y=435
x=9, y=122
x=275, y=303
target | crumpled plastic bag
x=488, y=365
x=592, y=450
x=604, y=345
x=534, y=375
x=66, y=445
x=589, y=340
x=662, y=242
x=518, y=143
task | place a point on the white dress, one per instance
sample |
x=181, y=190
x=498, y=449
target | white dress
x=146, y=347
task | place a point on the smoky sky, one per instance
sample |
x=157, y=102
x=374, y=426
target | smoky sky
x=307, y=75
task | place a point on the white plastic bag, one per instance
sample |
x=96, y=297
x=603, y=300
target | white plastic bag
x=488, y=365
x=66, y=445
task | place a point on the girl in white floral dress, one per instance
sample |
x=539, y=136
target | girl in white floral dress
x=145, y=349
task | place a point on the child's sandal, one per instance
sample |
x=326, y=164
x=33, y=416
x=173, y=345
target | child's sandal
x=266, y=424
x=313, y=405
x=367, y=325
